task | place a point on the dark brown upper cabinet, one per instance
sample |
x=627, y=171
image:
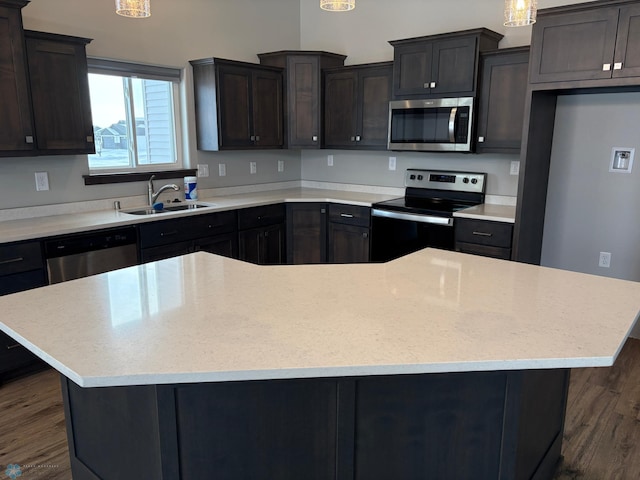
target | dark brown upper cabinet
x=238, y=105
x=503, y=86
x=440, y=65
x=60, y=93
x=578, y=43
x=16, y=125
x=356, y=106
x=303, y=93
x=45, y=107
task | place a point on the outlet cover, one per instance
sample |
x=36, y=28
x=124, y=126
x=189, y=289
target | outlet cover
x=42, y=181
x=252, y=168
x=330, y=160
x=203, y=170
x=392, y=163
x=621, y=159
x=515, y=168
x=605, y=260
x=281, y=165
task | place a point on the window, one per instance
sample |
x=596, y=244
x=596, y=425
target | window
x=135, y=117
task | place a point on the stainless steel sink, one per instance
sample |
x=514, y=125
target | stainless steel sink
x=168, y=208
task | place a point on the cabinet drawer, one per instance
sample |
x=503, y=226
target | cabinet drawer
x=350, y=214
x=18, y=282
x=482, y=232
x=165, y=232
x=260, y=216
x=20, y=257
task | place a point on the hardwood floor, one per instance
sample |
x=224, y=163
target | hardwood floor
x=601, y=439
x=602, y=426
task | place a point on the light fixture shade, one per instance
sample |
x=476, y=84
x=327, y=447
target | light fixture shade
x=518, y=13
x=337, y=5
x=134, y=8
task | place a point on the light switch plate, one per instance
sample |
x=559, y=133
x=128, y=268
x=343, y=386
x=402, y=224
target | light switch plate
x=281, y=165
x=515, y=168
x=252, y=168
x=330, y=160
x=392, y=163
x=222, y=169
x=203, y=170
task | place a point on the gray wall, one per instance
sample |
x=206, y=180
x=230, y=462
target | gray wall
x=372, y=168
x=589, y=209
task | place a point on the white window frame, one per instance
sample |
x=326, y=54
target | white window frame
x=104, y=66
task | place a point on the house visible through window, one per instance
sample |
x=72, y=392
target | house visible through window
x=135, y=120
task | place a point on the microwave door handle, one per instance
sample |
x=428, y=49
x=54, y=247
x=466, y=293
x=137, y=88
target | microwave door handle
x=452, y=124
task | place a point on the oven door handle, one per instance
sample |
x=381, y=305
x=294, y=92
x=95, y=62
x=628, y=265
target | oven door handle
x=446, y=221
x=452, y=124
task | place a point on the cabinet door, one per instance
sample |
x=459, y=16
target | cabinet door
x=374, y=93
x=225, y=245
x=348, y=244
x=303, y=106
x=340, y=109
x=502, y=97
x=412, y=69
x=234, y=97
x=306, y=233
x=16, y=129
x=60, y=93
x=627, y=52
x=161, y=252
x=268, y=123
x=273, y=247
x=454, y=66
x=250, y=245
x=574, y=46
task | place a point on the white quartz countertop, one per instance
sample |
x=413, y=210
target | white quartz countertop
x=206, y=318
x=41, y=227
x=488, y=211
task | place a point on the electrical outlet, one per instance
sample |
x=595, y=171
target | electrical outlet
x=222, y=169
x=605, y=260
x=42, y=181
x=330, y=160
x=281, y=165
x=203, y=170
x=392, y=163
x=252, y=168
x=515, y=168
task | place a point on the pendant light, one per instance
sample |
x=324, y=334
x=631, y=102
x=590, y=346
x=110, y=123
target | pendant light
x=337, y=5
x=518, y=13
x=134, y=8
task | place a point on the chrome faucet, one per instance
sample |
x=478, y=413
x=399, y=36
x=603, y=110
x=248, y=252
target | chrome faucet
x=153, y=195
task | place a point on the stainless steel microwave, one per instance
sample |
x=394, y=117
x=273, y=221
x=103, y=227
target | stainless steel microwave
x=431, y=125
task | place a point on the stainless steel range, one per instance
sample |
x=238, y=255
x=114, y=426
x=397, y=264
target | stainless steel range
x=424, y=216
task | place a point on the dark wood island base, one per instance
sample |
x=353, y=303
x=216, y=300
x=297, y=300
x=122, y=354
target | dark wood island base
x=483, y=425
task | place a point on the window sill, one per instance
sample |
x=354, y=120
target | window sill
x=101, y=179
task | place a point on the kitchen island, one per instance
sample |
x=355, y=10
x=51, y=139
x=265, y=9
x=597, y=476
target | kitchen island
x=435, y=365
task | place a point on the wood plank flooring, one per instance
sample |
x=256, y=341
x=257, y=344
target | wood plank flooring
x=601, y=439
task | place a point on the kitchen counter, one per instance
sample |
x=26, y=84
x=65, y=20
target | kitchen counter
x=40, y=227
x=215, y=367
x=223, y=319
x=490, y=212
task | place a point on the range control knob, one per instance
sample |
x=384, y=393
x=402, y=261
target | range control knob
x=465, y=180
x=412, y=177
x=420, y=177
x=474, y=180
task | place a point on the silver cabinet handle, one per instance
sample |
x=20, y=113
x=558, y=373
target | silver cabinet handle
x=617, y=66
x=28, y=139
x=257, y=138
x=480, y=139
x=426, y=85
x=346, y=215
x=365, y=235
x=483, y=234
x=357, y=138
x=89, y=138
x=252, y=138
x=323, y=210
x=12, y=260
x=314, y=138
x=11, y=347
x=606, y=67
x=432, y=85
x=353, y=139
x=452, y=124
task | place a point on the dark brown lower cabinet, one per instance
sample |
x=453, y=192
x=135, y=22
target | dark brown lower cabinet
x=503, y=425
x=482, y=237
x=306, y=233
x=349, y=234
x=262, y=245
x=21, y=268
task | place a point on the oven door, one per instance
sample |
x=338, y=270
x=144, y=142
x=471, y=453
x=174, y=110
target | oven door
x=394, y=234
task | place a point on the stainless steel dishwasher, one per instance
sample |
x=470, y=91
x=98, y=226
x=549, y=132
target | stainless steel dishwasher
x=81, y=255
